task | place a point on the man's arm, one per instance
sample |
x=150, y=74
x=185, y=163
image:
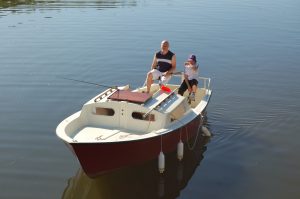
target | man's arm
x=173, y=62
x=154, y=62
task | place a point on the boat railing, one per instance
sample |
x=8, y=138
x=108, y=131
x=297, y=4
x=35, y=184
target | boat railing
x=205, y=80
x=104, y=94
x=160, y=102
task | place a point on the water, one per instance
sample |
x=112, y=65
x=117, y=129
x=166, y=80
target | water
x=250, y=49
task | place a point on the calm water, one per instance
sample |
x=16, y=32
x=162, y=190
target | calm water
x=250, y=49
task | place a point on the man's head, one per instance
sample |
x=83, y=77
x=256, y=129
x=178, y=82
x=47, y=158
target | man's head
x=164, y=46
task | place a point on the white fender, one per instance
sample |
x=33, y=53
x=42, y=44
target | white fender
x=180, y=149
x=205, y=131
x=161, y=162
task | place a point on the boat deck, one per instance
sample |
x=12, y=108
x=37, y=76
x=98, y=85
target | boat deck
x=97, y=134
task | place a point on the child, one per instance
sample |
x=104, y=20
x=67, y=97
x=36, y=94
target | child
x=190, y=81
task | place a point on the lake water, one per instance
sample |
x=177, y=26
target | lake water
x=250, y=49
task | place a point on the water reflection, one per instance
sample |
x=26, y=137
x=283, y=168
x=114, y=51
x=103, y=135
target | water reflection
x=141, y=181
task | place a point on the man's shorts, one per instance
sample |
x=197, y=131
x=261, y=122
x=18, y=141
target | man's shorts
x=157, y=74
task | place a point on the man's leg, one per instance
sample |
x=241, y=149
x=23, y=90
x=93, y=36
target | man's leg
x=149, y=81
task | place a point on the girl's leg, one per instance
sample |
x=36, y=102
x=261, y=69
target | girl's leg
x=182, y=88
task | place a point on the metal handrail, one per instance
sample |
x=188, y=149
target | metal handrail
x=206, y=82
x=158, y=104
x=105, y=94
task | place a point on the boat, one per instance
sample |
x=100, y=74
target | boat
x=121, y=127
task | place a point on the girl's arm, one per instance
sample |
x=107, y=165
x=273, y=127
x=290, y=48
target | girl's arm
x=187, y=82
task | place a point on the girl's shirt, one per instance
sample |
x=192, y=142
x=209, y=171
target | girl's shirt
x=191, y=71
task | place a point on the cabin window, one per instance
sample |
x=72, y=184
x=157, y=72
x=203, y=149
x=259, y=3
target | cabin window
x=139, y=116
x=104, y=111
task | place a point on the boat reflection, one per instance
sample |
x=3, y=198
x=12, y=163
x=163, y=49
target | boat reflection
x=142, y=181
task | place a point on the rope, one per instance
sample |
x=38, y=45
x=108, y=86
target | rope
x=161, y=142
x=187, y=137
x=195, y=141
x=180, y=133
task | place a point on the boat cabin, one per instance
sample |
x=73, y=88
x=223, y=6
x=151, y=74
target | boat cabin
x=126, y=112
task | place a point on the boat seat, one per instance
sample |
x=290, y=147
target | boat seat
x=129, y=96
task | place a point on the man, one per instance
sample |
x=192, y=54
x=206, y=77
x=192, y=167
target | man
x=164, y=63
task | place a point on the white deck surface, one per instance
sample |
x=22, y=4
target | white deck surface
x=97, y=134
